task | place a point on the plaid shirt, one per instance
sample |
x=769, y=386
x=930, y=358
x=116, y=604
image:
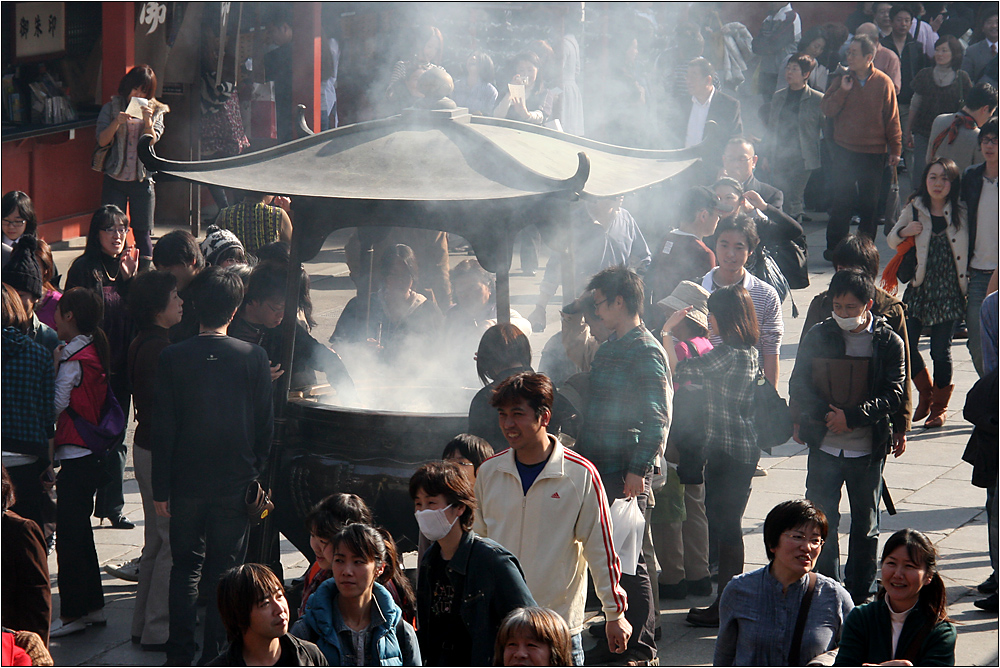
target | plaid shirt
x=628, y=412
x=727, y=374
x=28, y=389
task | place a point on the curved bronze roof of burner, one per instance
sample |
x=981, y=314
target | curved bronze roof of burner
x=442, y=169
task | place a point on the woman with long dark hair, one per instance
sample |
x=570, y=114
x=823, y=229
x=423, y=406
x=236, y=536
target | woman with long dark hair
x=909, y=618
x=935, y=220
x=81, y=387
x=477, y=90
x=107, y=267
x=727, y=373
x=126, y=181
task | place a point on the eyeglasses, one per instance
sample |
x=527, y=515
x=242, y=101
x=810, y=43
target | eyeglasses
x=799, y=539
x=116, y=231
x=17, y=224
x=985, y=140
x=597, y=304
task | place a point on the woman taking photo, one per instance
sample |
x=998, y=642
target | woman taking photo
x=126, y=181
x=935, y=221
x=936, y=90
x=727, y=373
x=107, y=267
x=352, y=604
x=756, y=603
x=907, y=624
x=467, y=584
x=537, y=104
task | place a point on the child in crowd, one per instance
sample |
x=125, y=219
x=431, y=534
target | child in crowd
x=81, y=390
x=533, y=637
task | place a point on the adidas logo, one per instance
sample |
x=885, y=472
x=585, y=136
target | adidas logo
x=555, y=495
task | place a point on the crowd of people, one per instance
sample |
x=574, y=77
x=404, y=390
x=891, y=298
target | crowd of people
x=647, y=416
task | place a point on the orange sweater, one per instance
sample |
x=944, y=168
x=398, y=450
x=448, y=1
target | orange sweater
x=865, y=118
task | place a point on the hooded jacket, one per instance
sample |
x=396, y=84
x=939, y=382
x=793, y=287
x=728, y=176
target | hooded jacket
x=886, y=375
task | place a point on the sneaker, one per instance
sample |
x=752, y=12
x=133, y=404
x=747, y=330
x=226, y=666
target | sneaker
x=989, y=585
x=702, y=587
x=128, y=571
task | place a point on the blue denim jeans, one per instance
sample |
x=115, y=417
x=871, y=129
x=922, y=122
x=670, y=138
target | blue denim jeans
x=578, y=656
x=207, y=537
x=825, y=477
x=978, y=282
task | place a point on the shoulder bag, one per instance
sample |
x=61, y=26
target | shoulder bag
x=800, y=622
x=104, y=435
x=772, y=419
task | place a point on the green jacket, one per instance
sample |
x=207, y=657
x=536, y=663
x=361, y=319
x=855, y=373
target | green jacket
x=867, y=637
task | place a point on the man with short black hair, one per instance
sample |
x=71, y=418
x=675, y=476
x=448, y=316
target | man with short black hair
x=626, y=422
x=178, y=253
x=848, y=384
x=866, y=132
x=739, y=159
x=705, y=104
x=546, y=504
x=254, y=611
x=683, y=256
x=979, y=192
x=213, y=417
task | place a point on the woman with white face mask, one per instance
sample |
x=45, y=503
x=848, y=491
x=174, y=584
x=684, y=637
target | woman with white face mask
x=466, y=584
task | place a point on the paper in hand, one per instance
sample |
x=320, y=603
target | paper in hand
x=135, y=107
x=516, y=91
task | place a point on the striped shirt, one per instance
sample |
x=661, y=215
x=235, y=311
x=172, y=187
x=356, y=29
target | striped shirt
x=765, y=303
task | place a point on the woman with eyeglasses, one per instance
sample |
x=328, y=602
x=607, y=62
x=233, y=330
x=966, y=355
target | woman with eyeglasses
x=18, y=217
x=107, y=267
x=759, y=611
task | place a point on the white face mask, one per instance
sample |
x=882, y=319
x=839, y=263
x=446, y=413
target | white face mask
x=434, y=524
x=850, y=324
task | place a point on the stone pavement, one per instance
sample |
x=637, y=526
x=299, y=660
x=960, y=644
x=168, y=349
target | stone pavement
x=929, y=483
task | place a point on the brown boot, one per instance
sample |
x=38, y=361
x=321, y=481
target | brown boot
x=939, y=404
x=924, y=386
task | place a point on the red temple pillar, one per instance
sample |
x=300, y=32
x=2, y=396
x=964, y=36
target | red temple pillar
x=118, y=45
x=307, y=26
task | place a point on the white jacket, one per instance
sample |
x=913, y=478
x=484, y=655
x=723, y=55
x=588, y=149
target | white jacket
x=556, y=530
x=957, y=238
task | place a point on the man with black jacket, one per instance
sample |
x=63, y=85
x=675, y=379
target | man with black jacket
x=214, y=418
x=848, y=385
x=979, y=193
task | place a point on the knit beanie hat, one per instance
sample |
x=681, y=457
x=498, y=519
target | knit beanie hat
x=22, y=272
x=218, y=242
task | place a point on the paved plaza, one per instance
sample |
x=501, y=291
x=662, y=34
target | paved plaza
x=929, y=484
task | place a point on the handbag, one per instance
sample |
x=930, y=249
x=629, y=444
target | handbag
x=764, y=267
x=101, y=437
x=259, y=504
x=792, y=257
x=100, y=156
x=902, y=267
x=687, y=429
x=772, y=419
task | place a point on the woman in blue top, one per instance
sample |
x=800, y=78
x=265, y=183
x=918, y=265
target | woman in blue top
x=759, y=610
x=351, y=617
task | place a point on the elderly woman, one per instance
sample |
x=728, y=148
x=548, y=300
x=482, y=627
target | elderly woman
x=759, y=610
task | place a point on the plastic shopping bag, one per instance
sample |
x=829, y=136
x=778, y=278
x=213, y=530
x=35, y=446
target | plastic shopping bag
x=627, y=526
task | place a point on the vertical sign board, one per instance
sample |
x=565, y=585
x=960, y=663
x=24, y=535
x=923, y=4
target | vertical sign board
x=39, y=30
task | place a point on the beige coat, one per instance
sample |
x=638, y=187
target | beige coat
x=957, y=238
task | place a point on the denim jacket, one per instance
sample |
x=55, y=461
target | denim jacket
x=393, y=641
x=492, y=585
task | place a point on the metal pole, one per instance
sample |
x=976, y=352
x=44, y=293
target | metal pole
x=503, y=278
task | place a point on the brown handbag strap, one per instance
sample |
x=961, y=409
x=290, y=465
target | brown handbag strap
x=800, y=623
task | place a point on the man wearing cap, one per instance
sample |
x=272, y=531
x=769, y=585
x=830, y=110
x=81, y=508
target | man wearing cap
x=683, y=256
x=24, y=275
